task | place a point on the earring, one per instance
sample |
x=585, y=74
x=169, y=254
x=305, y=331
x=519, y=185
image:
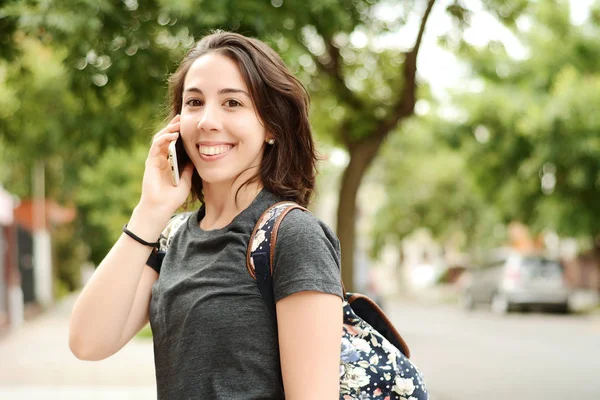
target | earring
x=271, y=141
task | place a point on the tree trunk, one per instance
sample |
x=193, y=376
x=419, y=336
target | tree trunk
x=362, y=153
x=361, y=158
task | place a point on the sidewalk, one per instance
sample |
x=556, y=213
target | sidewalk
x=35, y=362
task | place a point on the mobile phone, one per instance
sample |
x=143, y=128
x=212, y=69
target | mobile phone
x=174, y=163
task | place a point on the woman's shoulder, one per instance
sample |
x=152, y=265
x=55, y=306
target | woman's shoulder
x=307, y=256
x=303, y=226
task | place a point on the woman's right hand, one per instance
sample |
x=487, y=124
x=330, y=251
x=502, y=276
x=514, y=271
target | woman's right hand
x=158, y=192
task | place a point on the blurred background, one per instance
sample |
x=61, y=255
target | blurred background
x=461, y=172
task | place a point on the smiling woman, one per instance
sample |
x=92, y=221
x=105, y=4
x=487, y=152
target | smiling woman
x=221, y=130
x=244, y=143
x=246, y=80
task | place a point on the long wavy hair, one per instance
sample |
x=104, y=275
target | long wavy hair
x=288, y=167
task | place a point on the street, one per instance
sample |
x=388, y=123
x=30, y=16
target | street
x=479, y=355
x=464, y=356
x=35, y=363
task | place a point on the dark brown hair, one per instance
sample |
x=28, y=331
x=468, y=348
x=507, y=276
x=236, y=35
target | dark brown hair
x=289, y=166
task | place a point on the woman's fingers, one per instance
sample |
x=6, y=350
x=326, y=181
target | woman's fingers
x=159, y=147
x=157, y=156
x=162, y=140
x=173, y=125
x=166, y=138
x=157, y=174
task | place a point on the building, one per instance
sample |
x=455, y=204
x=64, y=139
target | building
x=11, y=295
x=26, y=275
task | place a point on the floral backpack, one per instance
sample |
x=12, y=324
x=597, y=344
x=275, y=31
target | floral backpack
x=374, y=360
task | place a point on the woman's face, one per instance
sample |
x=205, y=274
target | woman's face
x=220, y=129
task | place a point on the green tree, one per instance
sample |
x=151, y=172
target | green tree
x=533, y=131
x=8, y=26
x=117, y=55
x=110, y=189
x=429, y=184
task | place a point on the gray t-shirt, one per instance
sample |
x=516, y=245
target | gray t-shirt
x=214, y=337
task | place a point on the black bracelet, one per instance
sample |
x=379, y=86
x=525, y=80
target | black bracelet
x=139, y=239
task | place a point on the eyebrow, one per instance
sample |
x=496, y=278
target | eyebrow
x=222, y=91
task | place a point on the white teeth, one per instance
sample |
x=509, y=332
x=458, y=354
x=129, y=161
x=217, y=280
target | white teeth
x=214, y=150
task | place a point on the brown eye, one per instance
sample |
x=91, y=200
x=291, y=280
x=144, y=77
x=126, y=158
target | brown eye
x=194, y=102
x=232, y=103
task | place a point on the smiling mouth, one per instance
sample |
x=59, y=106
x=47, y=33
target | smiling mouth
x=214, y=150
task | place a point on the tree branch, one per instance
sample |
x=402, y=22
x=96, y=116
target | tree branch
x=417, y=45
x=334, y=69
x=405, y=106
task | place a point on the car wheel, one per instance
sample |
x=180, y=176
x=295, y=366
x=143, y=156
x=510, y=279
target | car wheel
x=500, y=304
x=466, y=302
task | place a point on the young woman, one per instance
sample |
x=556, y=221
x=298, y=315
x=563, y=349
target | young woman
x=242, y=119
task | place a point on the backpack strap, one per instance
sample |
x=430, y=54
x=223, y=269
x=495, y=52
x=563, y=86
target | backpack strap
x=260, y=257
x=261, y=249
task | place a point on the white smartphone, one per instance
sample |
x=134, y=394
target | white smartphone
x=173, y=163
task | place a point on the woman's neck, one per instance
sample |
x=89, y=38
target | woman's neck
x=222, y=205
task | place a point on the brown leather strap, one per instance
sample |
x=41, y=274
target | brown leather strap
x=276, y=229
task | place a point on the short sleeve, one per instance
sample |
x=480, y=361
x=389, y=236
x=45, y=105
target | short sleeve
x=156, y=257
x=307, y=257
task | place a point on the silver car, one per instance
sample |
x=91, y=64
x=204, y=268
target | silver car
x=517, y=282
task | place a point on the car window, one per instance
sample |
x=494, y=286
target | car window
x=540, y=267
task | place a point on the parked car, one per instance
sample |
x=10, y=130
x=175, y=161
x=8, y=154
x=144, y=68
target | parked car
x=517, y=282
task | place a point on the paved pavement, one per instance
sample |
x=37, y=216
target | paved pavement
x=464, y=356
x=483, y=356
x=35, y=362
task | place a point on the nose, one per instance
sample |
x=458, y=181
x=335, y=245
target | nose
x=209, y=119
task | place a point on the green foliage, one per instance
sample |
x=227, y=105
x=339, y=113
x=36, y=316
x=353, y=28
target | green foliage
x=83, y=84
x=429, y=184
x=8, y=26
x=36, y=103
x=69, y=251
x=145, y=333
x=526, y=147
x=109, y=190
x=507, y=11
x=90, y=80
x=534, y=130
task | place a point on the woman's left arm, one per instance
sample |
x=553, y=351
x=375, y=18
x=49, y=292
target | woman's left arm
x=310, y=332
